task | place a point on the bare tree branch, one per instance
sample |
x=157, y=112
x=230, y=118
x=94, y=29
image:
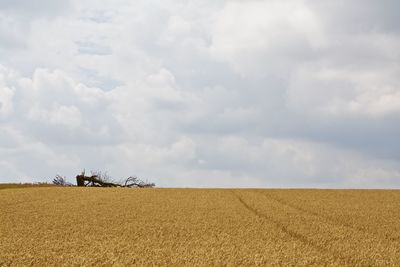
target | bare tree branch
x=62, y=181
x=133, y=181
x=99, y=179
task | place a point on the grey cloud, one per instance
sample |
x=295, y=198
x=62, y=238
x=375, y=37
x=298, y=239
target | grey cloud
x=359, y=16
x=94, y=79
x=35, y=8
x=228, y=93
x=93, y=49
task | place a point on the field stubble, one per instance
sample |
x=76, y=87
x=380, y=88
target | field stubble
x=203, y=227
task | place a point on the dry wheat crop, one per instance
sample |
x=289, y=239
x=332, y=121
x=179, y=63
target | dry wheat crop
x=199, y=227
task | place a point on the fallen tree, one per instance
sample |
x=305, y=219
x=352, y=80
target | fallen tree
x=61, y=181
x=97, y=179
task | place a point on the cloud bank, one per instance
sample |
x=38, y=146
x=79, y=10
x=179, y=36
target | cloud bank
x=202, y=93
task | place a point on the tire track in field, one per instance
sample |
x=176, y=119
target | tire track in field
x=328, y=219
x=319, y=215
x=345, y=260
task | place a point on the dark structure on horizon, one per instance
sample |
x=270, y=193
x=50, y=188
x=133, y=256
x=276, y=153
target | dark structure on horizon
x=98, y=179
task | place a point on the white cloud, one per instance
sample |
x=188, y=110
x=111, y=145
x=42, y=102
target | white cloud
x=68, y=116
x=344, y=90
x=6, y=106
x=202, y=93
x=260, y=37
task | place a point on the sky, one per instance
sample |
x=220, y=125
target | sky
x=202, y=93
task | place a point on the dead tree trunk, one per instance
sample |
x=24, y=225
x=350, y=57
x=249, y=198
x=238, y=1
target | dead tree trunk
x=82, y=180
x=97, y=181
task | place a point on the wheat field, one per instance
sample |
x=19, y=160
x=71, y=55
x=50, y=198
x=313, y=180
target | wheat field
x=58, y=226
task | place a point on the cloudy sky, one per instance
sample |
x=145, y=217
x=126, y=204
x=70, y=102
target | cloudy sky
x=202, y=93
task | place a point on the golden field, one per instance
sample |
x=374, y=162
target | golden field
x=73, y=226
